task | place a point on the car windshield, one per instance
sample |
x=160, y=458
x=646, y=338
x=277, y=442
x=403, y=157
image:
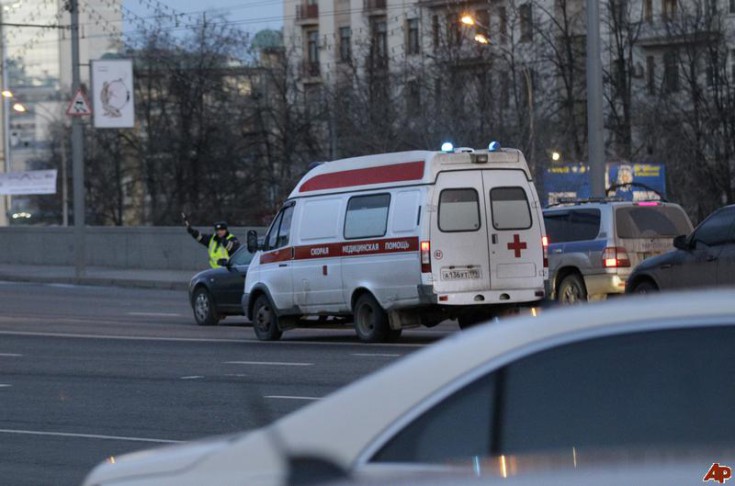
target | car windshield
x=651, y=222
x=241, y=257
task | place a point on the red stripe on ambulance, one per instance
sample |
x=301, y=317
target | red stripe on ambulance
x=352, y=248
x=407, y=171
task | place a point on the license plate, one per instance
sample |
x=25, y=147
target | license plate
x=460, y=274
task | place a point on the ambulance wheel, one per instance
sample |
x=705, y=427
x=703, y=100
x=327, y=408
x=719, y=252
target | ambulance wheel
x=204, y=311
x=265, y=321
x=371, y=321
x=571, y=290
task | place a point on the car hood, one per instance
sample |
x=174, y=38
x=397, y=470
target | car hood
x=256, y=460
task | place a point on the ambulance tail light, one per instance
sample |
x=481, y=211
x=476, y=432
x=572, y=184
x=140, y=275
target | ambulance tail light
x=545, y=246
x=615, y=257
x=425, y=257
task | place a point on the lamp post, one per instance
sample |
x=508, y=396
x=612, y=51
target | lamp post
x=482, y=39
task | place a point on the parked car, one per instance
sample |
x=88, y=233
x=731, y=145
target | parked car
x=216, y=293
x=594, y=245
x=704, y=258
x=622, y=375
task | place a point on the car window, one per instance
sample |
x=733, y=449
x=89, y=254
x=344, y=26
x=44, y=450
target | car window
x=717, y=229
x=625, y=391
x=367, y=216
x=510, y=208
x=652, y=388
x=572, y=225
x=459, y=210
x=651, y=222
x=241, y=257
x=284, y=231
x=456, y=428
x=272, y=236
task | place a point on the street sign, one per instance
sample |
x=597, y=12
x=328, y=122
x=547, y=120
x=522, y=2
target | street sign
x=79, y=105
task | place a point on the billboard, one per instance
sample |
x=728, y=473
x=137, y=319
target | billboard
x=112, y=93
x=28, y=182
x=571, y=181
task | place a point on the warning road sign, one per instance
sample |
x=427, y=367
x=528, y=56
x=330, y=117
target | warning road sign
x=79, y=105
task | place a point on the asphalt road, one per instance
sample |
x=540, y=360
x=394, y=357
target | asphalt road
x=92, y=372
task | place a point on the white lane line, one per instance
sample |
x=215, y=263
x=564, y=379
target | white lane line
x=154, y=314
x=5, y=386
x=113, y=337
x=286, y=397
x=88, y=436
x=11, y=355
x=195, y=377
x=268, y=363
x=379, y=355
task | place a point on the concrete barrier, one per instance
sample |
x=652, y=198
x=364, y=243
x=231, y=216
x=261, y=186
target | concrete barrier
x=144, y=247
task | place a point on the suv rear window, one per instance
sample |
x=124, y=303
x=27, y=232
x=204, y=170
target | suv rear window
x=572, y=225
x=651, y=222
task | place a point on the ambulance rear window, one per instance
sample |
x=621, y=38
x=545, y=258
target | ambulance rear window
x=510, y=208
x=459, y=210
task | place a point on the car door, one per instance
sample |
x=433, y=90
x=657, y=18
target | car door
x=726, y=259
x=277, y=259
x=697, y=266
x=230, y=283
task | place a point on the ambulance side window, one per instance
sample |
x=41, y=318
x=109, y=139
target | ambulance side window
x=510, y=208
x=459, y=210
x=270, y=240
x=367, y=216
x=278, y=236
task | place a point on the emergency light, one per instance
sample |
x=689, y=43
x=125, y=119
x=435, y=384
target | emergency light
x=447, y=147
x=494, y=146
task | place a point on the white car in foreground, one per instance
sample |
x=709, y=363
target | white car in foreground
x=626, y=375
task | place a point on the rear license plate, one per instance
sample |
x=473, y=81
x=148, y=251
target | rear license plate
x=460, y=273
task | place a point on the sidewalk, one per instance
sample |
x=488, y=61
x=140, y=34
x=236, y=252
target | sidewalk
x=153, y=279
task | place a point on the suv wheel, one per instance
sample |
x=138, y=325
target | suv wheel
x=571, y=290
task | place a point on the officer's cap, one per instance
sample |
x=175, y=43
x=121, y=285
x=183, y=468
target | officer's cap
x=220, y=225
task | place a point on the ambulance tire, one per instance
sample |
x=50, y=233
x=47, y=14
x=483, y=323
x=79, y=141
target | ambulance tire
x=371, y=321
x=265, y=320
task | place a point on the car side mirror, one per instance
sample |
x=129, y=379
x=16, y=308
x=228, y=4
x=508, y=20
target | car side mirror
x=253, y=241
x=681, y=242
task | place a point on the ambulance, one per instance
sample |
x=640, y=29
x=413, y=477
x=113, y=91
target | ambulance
x=399, y=240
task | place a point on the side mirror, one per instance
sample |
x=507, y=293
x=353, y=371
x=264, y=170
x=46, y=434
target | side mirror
x=681, y=242
x=252, y=241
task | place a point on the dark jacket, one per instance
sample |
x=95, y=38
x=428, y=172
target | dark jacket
x=230, y=242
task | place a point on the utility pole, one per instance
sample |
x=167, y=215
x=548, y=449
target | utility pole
x=77, y=148
x=5, y=122
x=595, y=147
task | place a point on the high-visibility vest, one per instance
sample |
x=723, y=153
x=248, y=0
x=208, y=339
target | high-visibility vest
x=217, y=250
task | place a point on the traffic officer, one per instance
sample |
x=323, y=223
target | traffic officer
x=221, y=244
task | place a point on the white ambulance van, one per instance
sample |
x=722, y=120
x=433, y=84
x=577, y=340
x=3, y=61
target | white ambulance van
x=401, y=240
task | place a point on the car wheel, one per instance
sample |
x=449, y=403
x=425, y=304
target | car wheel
x=205, y=312
x=371, y=321
x=572, y=290
x=645, y=287
x=265, y=321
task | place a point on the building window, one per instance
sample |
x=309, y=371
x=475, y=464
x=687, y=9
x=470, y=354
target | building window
x=504, y=90
x=648, y=10
x=435, y=32
x=312, y=47
x=412, y=39
x=711, y=7
x=669, y=9
x=380, y=40
x=454, y=32
x=732, y=6
x=345, y=39
x=651, y=75
x=526, y=15
x=413, y=98
x=671, y=72
x=482, y=22
x=713, y=69
x=732, y=67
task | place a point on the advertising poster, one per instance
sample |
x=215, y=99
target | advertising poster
x=112, y=93
x=28, y=182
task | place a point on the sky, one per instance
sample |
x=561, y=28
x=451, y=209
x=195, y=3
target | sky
x=250, y=15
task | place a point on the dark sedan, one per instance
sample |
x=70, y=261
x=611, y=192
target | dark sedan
x=216, y=293
x=704, y=258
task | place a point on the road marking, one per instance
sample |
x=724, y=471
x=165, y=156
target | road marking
x=192, y=377
x=154, y=314
x=10, y=355
x=268, y=363
x=286, y=397
x=89, y=436
x=5, y=386
x=379, y=355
